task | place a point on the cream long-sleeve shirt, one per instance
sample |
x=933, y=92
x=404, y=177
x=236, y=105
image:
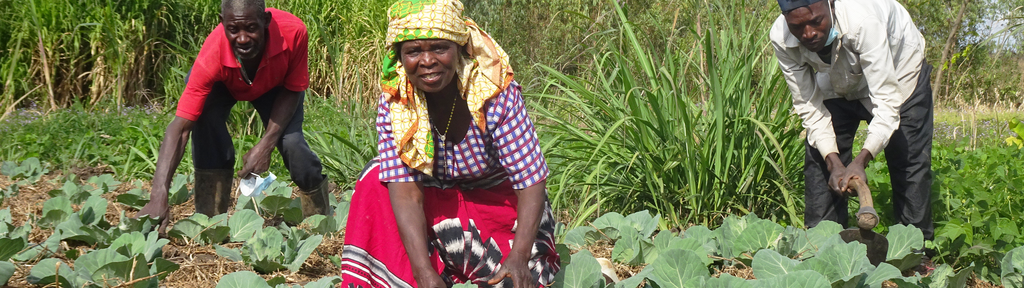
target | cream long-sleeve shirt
x=876, y=60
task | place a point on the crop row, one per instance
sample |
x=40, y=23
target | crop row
x=129, y=252
x=779, y=256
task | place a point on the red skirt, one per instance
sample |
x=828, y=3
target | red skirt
x=476, y=227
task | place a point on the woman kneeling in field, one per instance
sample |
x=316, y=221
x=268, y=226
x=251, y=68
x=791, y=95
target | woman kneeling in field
x=457, y=194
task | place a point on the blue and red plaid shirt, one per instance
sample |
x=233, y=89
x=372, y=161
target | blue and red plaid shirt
x=508, y=147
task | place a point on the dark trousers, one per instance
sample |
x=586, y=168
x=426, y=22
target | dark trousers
x=909, y=156
x=212, y=147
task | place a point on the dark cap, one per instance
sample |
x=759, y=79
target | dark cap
x=790, y=5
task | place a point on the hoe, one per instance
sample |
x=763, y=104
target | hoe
x=867, y=219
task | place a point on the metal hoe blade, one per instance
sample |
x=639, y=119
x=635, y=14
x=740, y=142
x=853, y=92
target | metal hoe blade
x=867, y=219
x=878, y=246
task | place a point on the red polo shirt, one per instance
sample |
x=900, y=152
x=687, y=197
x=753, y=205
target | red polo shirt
x=284, y=63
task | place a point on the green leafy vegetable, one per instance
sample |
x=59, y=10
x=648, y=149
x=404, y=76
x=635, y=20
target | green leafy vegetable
x=10, y=247
x=768, y=264
x=202, y=229
x=675, y=267
x=7, y=270
x=805, y=278
x=903, y=240
x=244, y=224
x=30, y=169
x=179, y=192
x=1012, y=274
x=49, y=271
x=583, y=271
x=759, y=234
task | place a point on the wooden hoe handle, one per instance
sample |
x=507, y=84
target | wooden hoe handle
x=867, y=217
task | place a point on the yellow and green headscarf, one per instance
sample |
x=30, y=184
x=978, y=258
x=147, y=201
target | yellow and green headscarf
x=484, y=74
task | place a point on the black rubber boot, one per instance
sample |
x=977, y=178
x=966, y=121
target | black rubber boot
x=213, y=191
x=317, y=201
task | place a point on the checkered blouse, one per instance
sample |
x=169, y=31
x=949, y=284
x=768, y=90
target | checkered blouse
x=508, y=148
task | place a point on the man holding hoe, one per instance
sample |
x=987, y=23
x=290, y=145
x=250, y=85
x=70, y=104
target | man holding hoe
x=852, y=60
x=259, y=55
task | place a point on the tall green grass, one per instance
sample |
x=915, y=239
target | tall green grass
x=60, y=52
x=126, y=141
x=343, y=135
x=693, y=134
x=105, y=53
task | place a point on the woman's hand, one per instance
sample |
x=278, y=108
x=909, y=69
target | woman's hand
x=430, y=280
x=518, y=270
x=529, y=210
x=407, y=204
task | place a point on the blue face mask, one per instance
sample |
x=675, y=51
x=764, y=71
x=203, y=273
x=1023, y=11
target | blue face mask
x=832, y=33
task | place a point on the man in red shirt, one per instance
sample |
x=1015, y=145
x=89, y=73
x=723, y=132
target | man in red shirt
x=259, y=55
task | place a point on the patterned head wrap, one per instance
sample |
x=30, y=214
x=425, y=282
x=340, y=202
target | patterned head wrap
x=484, y=74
